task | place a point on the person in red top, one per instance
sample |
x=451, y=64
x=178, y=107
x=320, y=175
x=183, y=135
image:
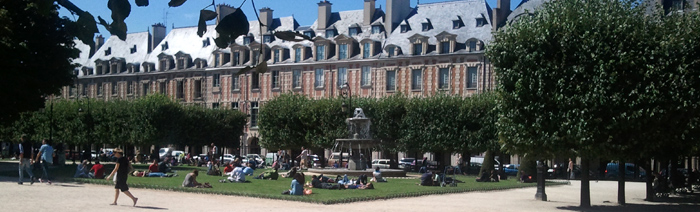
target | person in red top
x=228, y=168
x=97, y=170
x=153, y=167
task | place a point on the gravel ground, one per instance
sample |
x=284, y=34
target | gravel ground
x=87, y=197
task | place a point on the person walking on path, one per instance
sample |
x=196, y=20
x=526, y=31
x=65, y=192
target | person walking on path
x=302, y=157
x=26, y=154
x=46, y=154
x=121, y=169
x=570, y=169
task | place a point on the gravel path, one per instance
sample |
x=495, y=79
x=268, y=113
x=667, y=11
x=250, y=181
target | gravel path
x=87, y=197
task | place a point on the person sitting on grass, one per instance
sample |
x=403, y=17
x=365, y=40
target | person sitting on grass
x=154, y=166
x=228, y=167
x=494, y=176
x=163, y=167
x=426, y=179
x=291, y=173
x=485, y=177
x=268, y=175
x=377, y=176
x=238, y=174
x=82, y=170
x=97, y=170
x=296, y=188
x=191, y=181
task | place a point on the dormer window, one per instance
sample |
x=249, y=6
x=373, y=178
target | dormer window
x=181, y=63
x=405, y=28
x=108, y=51
x=342, y=51
x=456, y=24
x=236, y=58
x=353, y=31
x=267, y=38
x=366, y=50
x=320, y=52
x=217, y=60
x=426, y=27
x=480, y=22
x=297, y=54
x=276, y=57
x=309, y=34
x=390, y=51
x=376, y=29
x=133, y=49
x=330, y=33
x=444, y=47
x=164, y=46
x=472, y=46
x=206, y=42
x=417, y=49
x=246, y=40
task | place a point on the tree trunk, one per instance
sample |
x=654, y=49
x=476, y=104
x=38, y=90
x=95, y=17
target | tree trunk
x=621, y=182
x=649, y=179
x=585, y=184
x=487, y=165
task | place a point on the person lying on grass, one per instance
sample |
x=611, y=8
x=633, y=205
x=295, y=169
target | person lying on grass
x=316, y=182
x=359, y=186
x=191, y=181
x=238, y=174
x=268, y=175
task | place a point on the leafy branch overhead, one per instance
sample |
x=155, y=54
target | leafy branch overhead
x=292, y=36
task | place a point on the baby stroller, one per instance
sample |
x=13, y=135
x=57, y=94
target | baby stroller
x=444, y=180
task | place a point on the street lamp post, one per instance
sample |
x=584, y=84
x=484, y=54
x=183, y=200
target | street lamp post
x=540, y=195
x=345, y=93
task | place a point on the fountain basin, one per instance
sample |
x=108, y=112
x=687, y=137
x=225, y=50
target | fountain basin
x=329, y=172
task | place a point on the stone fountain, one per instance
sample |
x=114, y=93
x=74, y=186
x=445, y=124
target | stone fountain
x=359, y=139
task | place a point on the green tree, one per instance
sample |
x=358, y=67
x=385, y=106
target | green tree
x=576, y=75
x=37, y=52
x=280, y=122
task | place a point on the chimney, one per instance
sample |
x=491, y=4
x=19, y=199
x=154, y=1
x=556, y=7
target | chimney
x=500, y=13
x=324, y=14
x=158, y=35
x=99, y=41
x=368, y=12
x=222, y=10
x=396, y=11
x=266, y=18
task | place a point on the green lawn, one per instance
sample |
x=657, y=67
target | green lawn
x=272, y=189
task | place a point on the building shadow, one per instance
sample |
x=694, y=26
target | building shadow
x=680, y=202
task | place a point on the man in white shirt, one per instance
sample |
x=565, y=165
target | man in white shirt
x=303, y=156
x=238, y=174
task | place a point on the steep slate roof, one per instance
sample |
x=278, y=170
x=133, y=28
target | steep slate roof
x=342, y=21
x=186, y=40
x=525, y=6
x=84, y=57
x=441, y=16
x=122, y=49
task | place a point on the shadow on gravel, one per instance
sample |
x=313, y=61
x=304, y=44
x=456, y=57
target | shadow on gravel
x=150, y=207
x=69, y=185
x=636, y=208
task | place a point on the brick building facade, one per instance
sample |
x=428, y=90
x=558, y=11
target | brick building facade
x=418, y=51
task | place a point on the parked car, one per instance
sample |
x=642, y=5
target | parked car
x=381, y=163
x=336, y=157
x=511, y=169
x=229, y=158
x=316, y=161
x=164, y=152
x=270, y=158
x=611, y=171
x=405, y=161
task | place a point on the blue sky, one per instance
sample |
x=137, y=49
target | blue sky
x=141, y=18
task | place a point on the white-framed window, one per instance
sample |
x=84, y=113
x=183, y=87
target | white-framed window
x=444, y=78
x=246, y=40
x=267, y=38
x=472, y=77
x=342, y=76
x=254, y=114
x=162, y=87
x=444, y=47
x=100, y=88
x=330, y=33
x=234, y=105
x=472, y=46
x=129, y=87
x=390, y=51
x=366, y=53
x=405, y=28
x=390, y=80
x=255, y=78
x=480, y=22
x=115, y=88
x=198, y=88
x=416, y=79
x=417, y=49
x=296, y=78
x=235, y=83
x=353, y=31
x=320, y=52
x=236, y=58
x=256, y=57
x=276, y=57
x=426, y=27
x=318, y=78
x=145, y=89
x=343, y=51
x=217, y=80
x=309, y=34
x=217, y=60
x=376, y=29
x=297, y=55
x=180, y=89
x=275, y=79
x=366, y=75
